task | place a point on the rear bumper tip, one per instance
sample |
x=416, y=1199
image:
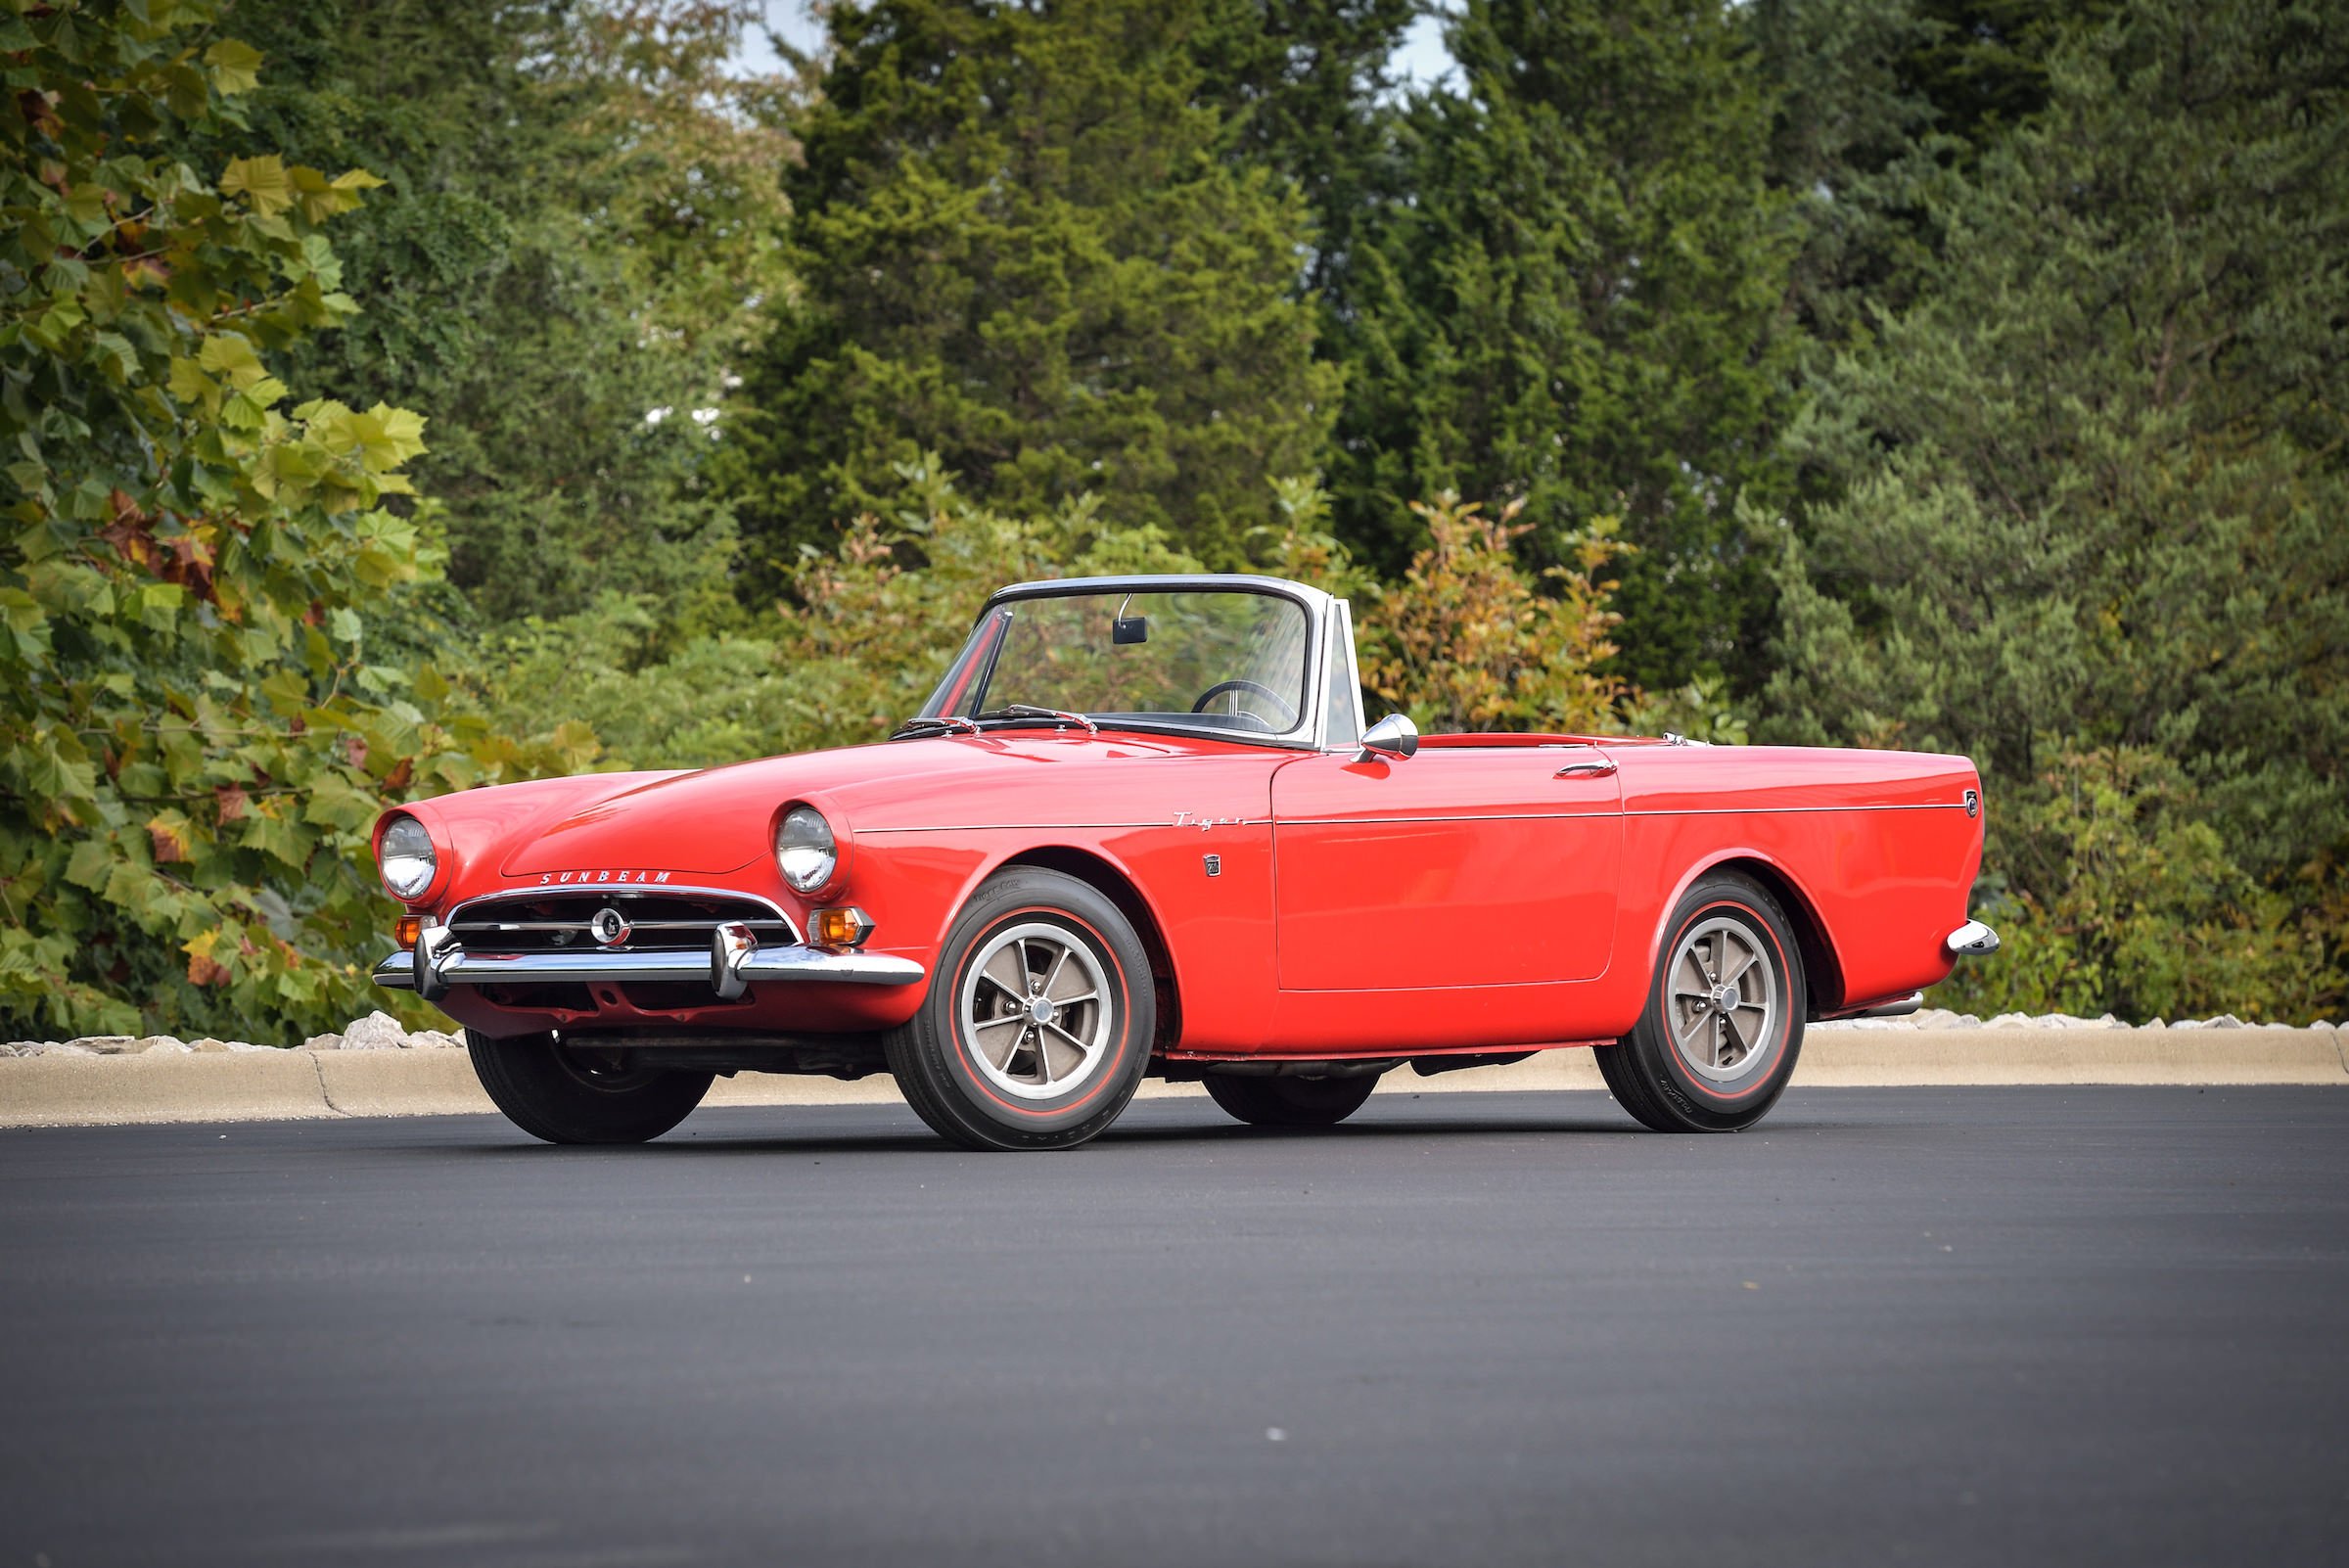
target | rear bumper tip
x=1973, y=940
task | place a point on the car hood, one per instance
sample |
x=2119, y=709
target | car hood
x=721, y=819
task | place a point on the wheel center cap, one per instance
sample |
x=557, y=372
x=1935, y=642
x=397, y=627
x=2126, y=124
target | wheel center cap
x=1040, y=1010
x=1724, y=997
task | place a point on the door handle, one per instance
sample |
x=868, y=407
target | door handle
x=1596, y=769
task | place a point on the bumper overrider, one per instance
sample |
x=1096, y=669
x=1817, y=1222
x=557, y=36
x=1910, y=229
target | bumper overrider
x=1973, y=940
x=734, y=963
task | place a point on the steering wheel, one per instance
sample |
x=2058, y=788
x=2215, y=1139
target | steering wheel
x=1255, y=689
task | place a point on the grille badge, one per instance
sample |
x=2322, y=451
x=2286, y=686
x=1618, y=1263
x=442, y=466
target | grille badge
x=609, y=927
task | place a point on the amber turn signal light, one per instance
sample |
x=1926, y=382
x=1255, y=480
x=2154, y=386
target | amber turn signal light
x=844, y=927
x=406, y=929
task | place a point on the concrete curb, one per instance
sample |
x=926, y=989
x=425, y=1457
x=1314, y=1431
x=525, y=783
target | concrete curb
x=71, y=1091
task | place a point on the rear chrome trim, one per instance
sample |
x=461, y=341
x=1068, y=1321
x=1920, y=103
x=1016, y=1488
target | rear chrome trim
x=1898, y=1008
x=1972, y=940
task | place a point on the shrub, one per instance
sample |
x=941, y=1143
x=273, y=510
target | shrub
x=198, y=721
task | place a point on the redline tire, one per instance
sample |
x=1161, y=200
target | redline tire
x=1723, y=1025
x=1290, y=1101
x=1038, y=1024
x=568, y=1097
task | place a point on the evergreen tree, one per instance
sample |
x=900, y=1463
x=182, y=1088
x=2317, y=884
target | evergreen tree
x=1017, y=246
x=576, y=225
x=1877, y=104
x=2092, y=483
x=1303, y=85
x=1575, y=301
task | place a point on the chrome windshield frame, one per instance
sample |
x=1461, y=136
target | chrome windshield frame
x=1310, y=732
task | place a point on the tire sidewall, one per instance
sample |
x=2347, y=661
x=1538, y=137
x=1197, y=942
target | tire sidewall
x=1692, y=1098
x=548, y=1096
x=1290, y=1102
x=1034, y=896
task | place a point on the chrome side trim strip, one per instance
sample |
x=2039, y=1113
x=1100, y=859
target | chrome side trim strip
x=1043, y=827
x=1972, y=940
x=1793, y=810
x=1479, y=816
x=1369, y=821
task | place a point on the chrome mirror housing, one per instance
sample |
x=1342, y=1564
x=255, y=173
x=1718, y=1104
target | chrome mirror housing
x=1392, y=736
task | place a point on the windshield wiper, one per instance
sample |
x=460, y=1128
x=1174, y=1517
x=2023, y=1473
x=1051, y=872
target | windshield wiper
x=942, y=724
x=1031, y=711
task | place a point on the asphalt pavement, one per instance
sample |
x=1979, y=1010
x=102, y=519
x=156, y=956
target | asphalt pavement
x=2012, y=1326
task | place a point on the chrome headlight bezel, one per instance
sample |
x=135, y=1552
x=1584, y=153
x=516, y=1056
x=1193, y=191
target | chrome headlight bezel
x=807, y=850
x=406, y=858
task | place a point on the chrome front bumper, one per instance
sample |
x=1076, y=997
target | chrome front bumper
x=734, y=962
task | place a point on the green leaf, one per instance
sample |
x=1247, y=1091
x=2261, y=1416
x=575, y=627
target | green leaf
x=236, y=66
x=158, y=605
x=231, y=354
x=119, y=359
x=263, y=183
x=91, y=863
x=27, y=626
x=58, y=768
x=129, y=887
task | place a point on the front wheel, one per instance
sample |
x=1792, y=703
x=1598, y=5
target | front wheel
x=1290, y=1101
x=567, y=1094
x=1037, y=1026
x=1723, y=1021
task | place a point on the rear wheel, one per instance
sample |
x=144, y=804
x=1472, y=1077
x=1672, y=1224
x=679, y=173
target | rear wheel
x=1290, y=1101
x=1037, y=1029
x=1722, y=1027
x=568, y=1095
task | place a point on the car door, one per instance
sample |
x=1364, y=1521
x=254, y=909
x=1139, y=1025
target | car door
x=1464, y=866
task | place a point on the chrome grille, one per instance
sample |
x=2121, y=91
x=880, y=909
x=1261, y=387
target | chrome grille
x=658, y=920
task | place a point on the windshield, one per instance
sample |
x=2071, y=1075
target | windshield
x=1206, y=659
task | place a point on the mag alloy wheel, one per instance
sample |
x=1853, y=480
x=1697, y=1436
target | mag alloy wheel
x=1036, y=1011
x=1718, y=1040
x=1721, y=999
x=1038, y=1024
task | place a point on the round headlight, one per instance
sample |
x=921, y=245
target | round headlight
x=406, y=858
x=805, y=848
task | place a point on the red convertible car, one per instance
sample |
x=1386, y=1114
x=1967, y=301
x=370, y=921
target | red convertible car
x=1139, y=829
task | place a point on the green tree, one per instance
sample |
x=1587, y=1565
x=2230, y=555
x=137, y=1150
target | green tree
x=1467, y=642
x=1017, y=246
x=1575, y=301
x=196, y=728
x=2090, y=484
x=854, y=649
x=565, y=263
x=1878, y=103
x=1304, y=85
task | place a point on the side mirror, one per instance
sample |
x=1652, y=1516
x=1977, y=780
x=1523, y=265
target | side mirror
x=1392, y=736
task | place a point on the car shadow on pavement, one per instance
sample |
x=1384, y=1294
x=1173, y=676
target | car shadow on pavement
x=690, y=1143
